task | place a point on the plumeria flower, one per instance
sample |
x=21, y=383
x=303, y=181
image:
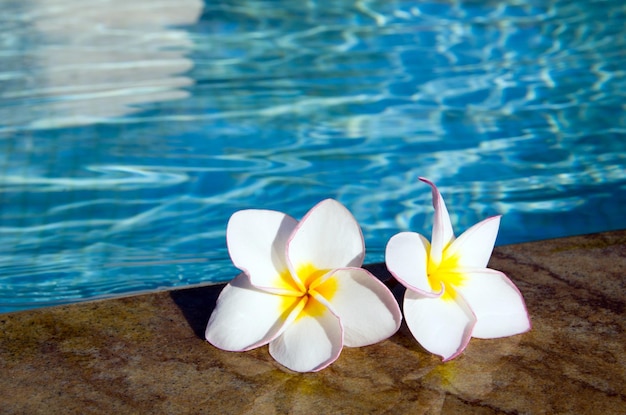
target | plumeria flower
x=451, y=295
x=302, y=289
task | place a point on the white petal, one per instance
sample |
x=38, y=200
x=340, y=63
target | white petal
x=310, y=343
x=497, y=304
x=257, y=241
x=406, y=257
x=245, y=317
x=474, y=247
x=442, y=327
x=366, y=308
x=328, y=237
x=442, y=227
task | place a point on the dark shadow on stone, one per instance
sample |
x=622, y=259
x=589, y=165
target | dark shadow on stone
x=380, y=271
x=198, y=303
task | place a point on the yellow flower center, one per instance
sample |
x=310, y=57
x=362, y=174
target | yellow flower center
x=446, y=273
x=307, y=286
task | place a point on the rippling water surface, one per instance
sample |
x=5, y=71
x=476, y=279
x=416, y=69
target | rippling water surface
x=130, y=131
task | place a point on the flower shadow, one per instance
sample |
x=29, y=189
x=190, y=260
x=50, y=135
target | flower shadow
x=197, y=303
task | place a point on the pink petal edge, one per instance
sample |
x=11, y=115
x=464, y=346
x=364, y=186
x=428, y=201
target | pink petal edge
x=416, y=330
x=512, y=286
x=474, y=247
x=442, y=233
x=398, y=275
x=229, y=318
x=284, y=229
x=279, y=347
x=359, y=251
x=367, y=309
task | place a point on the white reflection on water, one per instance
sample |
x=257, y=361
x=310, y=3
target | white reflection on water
x=118, y=177
x=92, y=60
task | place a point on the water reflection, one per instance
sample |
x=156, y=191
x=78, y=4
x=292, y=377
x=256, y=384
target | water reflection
x=130, y=132
x=74, y=62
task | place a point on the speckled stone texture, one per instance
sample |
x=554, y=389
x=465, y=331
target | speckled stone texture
x=146, y=354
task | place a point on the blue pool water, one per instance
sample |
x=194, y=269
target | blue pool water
x=130, y=131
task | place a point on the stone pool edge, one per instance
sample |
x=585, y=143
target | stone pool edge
x=144, y=353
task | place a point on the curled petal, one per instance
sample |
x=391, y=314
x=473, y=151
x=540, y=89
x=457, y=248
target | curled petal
x=442, y=227
x=366, y=308
x=406, y=257
x=443, y=327
x=246, y=317
x=311, y=343
x=496, y=302
x=328, y=237
x=257, y=241
x=474, y=247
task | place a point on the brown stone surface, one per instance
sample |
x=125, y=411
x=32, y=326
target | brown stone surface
x=146, y=354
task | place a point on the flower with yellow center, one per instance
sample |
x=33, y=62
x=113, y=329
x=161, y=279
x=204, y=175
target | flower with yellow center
x=451, y=295
x=302, y=290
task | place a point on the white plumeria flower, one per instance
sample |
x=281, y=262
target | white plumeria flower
x=451, y=295
x=302, y=289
